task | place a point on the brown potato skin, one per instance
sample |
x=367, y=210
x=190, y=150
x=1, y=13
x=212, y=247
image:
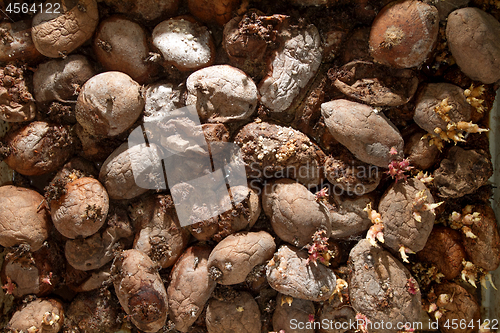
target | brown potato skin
x=300, y=309
x=17, y=206
x=22, y=47
x=209, y=11
x=190, y=287
x=420, y=153
x=34, y=313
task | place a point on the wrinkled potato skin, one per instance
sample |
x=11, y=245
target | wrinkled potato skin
x=190, y=287
x=33, y=314
x=140, y=290
x=17, y=207
x=294, y=213
x=348, y=216
x=236, y=255
x=21, y=48
x=299, y=309
x=56, y=35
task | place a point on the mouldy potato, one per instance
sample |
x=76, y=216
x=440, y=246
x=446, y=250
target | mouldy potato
x=91, y=280
x=473, y=38
x=421, y=153
x=40, y=315
x=404, y=33
x=55, y=35
x=381, y=288
x=348, y=217
x=207, y=11
x=290, y=272
x=121, y=45
x=161, y=98
x=22, y=221
x=148, y=10
x=222, y=93
x=274, y=151
x=60, y=80
x=368, y=134
x=184, y=43
x=82, y=209
x=16, y=101
x=238, y=314
x=140, y=290
x=236, y=255
x=293, y=211
x=109, y=103
x=190, y=287
x=16, y=42
x=288, y=308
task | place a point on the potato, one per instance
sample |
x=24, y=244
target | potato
x=22, y=221
x=140, y=290
x=236, y=255
x=222, y=93
x=109, y=104
x=82, y=209
x=291, y=273
x=294, y=213
x=292, y=310
x=39, y=148
x=75, y=167
x=446, y=7
x=69, y=24
x=94, y=148
x=219, y=12
x=94, y=280
x=145, y=10
x=162, y=98
x=404, y=33
x=381, y=288
x=239, y=314
x=190, y=287
x=420, y=152
x=473, y=38
x=60, y=80
x=367, y=134
x=273, y=151
x=348, y=218
x=16, y=101
x=338, y=318
x=40, y=315
x=121, y=45
x=17, y=43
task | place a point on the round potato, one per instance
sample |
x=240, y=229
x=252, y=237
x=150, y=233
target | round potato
x=40, y=315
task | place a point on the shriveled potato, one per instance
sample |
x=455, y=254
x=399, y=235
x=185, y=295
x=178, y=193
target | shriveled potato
x=148, y=10
x=291, y=273
x=22, y=221
x=291, y=311
x=213, y=11
x=381, y=288
x=76, y=166
x=60, y=80
x=17, y=43
x=348, y=217
x=420, y=152
x=273, y=151
x=222, y=93
x=473, y=37
x=294, y=213
x=140, y=290
x=236, y=255
x=16, y=101
x=38, y=148
x=82, y=209
x=367, y=134
x=109, y=103
x=56, y=34
x=40, y=315
x=190, y=287
x=121, y=45
x=239, y=314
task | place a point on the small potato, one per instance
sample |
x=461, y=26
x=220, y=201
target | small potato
x=140, y=290
x=348, y=216
x=190, y=287
x=40, y=315
x=39, y=148
x=60, y=80
x=294, y=213
x=240, y=314
x=16, y=101
x=58, y=32
x=22, y=221
x=17, y=43
x=207, y=11
x=236, y=255
x=109, y=104
x=291, y=273
x=93, y=280
x=82, y=210
x=288, y=309
x=338, y=318
x=420, y=152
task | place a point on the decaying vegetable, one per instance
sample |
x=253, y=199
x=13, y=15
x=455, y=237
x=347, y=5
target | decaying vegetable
x=40, y=315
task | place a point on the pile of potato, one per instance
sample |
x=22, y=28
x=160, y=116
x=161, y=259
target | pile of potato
x=359, y=125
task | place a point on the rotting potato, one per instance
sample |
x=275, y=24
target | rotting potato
x=17, y=43
x=190, y=287
x=75, y=167
x=161, y=98
x=61, y=79
x=16, y=101
x=293, y=211
x=38, y=148
x=140, y=290
x=40, y=315
x=108, y=104
x=381, y=288
x=58, y=32
x=348, y=217
x=238, y=314
x=274, y=151
x=290, y=272
x=82, y=209
x=288, y=309
x=368, y=134
x=22, y=218
x=236, y=255
x=219, y=12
